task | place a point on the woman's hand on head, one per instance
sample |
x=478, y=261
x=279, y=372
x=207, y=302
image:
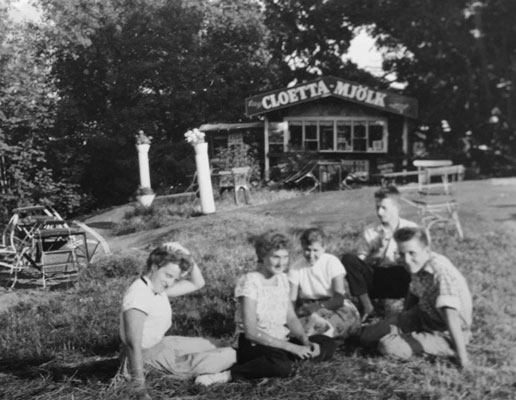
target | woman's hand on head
x=176, y=246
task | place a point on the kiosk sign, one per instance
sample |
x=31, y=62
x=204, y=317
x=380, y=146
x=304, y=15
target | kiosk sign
x=331, y=86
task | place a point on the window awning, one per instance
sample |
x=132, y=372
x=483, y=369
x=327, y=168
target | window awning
x=243, y=125
x=229, y=127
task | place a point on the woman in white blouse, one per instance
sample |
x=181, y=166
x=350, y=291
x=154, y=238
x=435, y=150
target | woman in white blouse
x=147, y=315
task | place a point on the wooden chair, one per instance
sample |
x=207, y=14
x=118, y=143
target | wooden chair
x=435, y=198
x=241, y=181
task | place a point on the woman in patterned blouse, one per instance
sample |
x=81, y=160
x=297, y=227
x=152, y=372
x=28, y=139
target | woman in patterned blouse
x=270, y=336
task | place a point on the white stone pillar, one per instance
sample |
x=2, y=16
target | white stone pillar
x=143, y=161
x=204, y=178
x=144, y=195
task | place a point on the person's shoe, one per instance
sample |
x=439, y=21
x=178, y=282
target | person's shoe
x=211, y=379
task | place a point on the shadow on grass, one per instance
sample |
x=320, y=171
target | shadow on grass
x=102, y=225
x=100, y=369
x=92, y=369
x=502, y=205
x=511, y=217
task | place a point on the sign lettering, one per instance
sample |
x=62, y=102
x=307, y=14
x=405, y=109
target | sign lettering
x=331, y=86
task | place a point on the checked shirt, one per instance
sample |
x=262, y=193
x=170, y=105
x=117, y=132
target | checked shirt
x=440, y=284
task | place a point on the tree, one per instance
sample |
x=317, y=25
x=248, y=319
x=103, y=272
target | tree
x=163, y=67
x=312, y=37
x=458, y=58
x=27, y=98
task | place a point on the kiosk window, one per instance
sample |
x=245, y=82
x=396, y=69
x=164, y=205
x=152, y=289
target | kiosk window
x=376, y=132
x=359, y=136
x=296, y=135
x=344, y=135
x=339, y=135
x=326, y=133
x=311, y=142
x=276, y=137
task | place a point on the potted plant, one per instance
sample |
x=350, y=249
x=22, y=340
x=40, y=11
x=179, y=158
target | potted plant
x=145, y=196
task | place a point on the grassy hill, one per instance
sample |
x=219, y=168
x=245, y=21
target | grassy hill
x=65, y=345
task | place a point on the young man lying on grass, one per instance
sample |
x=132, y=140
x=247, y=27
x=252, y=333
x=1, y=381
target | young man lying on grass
x=438, y=310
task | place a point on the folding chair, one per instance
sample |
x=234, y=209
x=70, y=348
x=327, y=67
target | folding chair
x=93, y=241
x=55, y=255
x=306, y=172
x=436, y=197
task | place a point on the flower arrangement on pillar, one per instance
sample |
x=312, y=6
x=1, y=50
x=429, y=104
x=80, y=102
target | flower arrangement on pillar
x=145, y=196
x=142, y=138
x=196, y=138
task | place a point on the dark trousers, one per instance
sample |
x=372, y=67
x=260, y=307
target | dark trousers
x=258, y=361
x=380, y=283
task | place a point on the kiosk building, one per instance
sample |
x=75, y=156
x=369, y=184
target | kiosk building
x=331, y=119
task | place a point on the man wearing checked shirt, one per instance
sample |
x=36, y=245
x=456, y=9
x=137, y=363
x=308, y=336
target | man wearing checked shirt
x=438, y=310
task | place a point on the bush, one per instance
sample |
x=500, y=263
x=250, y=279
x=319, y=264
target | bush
x=238, y=155
x=157, y=215
x=115, y=266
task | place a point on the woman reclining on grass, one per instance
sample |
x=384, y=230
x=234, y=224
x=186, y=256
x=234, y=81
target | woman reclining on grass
x=270, y=337
x=147, y=316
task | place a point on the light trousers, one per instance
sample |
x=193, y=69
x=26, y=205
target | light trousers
x=403, y=335
x=186, y=357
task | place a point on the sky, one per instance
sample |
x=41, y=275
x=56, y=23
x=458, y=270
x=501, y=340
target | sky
x=23, y=10
x=362, y=50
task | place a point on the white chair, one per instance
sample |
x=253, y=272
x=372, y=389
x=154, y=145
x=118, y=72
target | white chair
x=436, y=197
x=241, y=178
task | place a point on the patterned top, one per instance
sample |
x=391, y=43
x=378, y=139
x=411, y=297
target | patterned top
x=440, y=284
x=272, y=302
x=315, y=282
x=379, y=247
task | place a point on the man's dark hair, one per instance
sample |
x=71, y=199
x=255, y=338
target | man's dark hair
x=405, y=234
x=387, y=192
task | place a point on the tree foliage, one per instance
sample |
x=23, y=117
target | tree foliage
x=75, y=88
x=162, y=67
x=458, y=58
x=27, y=99
x=312, y=37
